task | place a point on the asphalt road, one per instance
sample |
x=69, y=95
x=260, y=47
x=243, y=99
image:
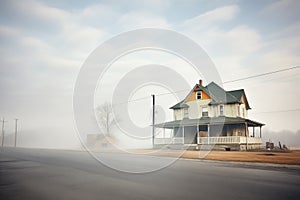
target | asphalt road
x=52, y=174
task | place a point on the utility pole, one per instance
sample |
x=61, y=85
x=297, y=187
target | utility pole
x=153, y=118
x=3, y=121
x=16, y=131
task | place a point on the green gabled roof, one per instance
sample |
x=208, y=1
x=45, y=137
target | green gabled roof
x=208, y=120
x=218, y=95
x=201, y=88
x=238, y=94
x=177, y=106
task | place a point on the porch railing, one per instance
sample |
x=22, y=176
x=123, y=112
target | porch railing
x=229, y=140
x=174, y=140
x=212, y=140
x=177, y=140
x=163, y=141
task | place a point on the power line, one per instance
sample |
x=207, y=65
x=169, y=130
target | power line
x=225, y=82
x=278, y=111
x=284, y=77
x=138, y=99
x=148, y=97
x=178, y=91
x=245, y=78
x=263, y=74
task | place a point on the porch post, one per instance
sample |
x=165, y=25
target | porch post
x=183, y=134
x=164, y=133
x=253, y=131
x=173, y=131
x=246, y=128
x=172, y=135
x=208, y=133
x=197, y=134
x=260, y=131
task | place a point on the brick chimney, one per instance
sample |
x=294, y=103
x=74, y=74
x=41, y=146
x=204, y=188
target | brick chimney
x=200, y=82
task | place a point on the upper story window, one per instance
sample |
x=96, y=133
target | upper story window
x=204, y=112
x=215, y=110
x=199, y=95
x=185, y=113
x=221, y=110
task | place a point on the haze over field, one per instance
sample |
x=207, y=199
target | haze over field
x=44, y=44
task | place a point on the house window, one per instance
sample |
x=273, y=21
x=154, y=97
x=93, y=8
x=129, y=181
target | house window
x=215, y=109
x=185, y=113
x=204, y=112
x=199, y=95
x=221, y=110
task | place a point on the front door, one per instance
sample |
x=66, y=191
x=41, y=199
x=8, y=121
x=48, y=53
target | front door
x=190, y=135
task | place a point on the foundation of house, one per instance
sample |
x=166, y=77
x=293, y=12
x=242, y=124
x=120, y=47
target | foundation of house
x=216, y=147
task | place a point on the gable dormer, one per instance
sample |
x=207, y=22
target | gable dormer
x=197, y=93
x=212, y=101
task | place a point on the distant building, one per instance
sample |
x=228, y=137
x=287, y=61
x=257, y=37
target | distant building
x=100, y=141
x=210, y=115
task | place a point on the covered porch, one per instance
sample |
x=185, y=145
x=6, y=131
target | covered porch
x=205, y=130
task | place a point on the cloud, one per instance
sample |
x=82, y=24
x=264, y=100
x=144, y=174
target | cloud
x=155, y=6
x=212, y=17
x=227, y=46
x=81, y=38
x=59, y=28
x=33, y=14
x=240, y=40
x=6, y=31
x=282, y=11
x=283, y=47
x=134, y=20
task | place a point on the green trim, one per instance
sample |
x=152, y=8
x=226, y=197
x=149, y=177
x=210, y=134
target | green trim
x=208, y=120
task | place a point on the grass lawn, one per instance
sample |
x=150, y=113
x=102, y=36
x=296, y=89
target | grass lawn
x=291, y=158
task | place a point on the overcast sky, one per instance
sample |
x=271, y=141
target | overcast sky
x=44, y=44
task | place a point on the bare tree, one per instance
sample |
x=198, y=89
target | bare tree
x=106, y=118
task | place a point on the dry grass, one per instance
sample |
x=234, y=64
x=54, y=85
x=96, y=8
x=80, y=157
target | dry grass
x=290, y=158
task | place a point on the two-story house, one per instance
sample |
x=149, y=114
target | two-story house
x=209, y=115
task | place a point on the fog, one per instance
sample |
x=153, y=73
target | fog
x=44, y=45
x=289, y=138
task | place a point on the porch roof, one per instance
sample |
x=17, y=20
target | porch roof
x=208, y=120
